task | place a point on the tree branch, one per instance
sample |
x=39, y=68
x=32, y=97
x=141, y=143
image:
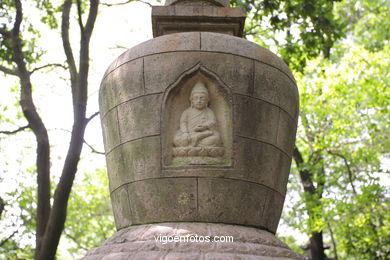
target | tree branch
x=15, y=232
x=48, y=65
x=349, y=171
x=127, y=2
x=93, y=149
x=4, y=32
x=80, y=17
x=306, y=176
x=336, y=257
x=79, y=86
x=8, y=238
x=65, y=40
x=15, y=131
x=85, y=142
x=9, y=71
x=91, y=18
x=74, y=239
x=2, y=205
x=92, y=116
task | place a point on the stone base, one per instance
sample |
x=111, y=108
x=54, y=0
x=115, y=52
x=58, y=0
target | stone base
x=142, y=242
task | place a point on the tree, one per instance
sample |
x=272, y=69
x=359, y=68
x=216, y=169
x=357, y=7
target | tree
x=343, y=138
x=89, y=219
x=297, y=30
x=340, y=133
x=18, y=61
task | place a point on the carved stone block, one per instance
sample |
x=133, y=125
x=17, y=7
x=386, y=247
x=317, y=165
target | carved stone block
x=151, y=198
x=138, y=118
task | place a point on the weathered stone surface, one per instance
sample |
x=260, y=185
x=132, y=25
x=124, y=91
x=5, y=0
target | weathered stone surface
x=168, y=43
x=198, y=2
x=224, y=43
x=115, y=168
x=287, y=95
x=283, y=67
x=274, y=210
x=106, y=95
x=262, y=163
x=139, y=117
x=131, y=86
x=205, y=41
x=159, y=200
x=157, y=79
x=134, y=161
x=256, y=119
x=236, y=72
x=265, y=88
x=285, y=165
x=254, y=101
x=286, y=132
x=213, y=42
x=110, y=130
x=139, y=242
x=142, y=158
x=205, y=18
x=244, y=205
x=121, y=208
x=110, y=68
x=211, y=171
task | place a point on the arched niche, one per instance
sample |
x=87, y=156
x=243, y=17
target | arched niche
x=177, y=100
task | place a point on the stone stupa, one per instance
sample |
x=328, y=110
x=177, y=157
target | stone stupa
x=199, y=128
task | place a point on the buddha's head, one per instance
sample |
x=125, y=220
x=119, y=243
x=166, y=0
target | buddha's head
x=199, y=96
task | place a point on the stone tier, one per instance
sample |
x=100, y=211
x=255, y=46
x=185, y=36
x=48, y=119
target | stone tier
x=139, y=242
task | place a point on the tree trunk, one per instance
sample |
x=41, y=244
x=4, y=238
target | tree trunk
x=316, y=240
x=317, y=246
x=36, y=124
x=79, y=86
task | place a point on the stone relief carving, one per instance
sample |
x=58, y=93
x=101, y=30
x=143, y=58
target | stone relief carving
x=196, y=121
x=198, y=134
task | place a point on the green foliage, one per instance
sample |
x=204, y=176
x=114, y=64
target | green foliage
x=292, y=243
x=90, y=221
x=365, y=231
x=367, y=22
x=18, y=222
x=344, y=139
x=344, y=136
x=300, y=29
x=30, y=30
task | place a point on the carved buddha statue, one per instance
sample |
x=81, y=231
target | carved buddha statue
x=198, y=133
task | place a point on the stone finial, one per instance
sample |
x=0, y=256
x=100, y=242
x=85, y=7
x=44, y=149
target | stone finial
x=197, y=16
x=220, y=3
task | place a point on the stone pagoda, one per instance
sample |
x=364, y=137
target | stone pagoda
x=199, y=127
